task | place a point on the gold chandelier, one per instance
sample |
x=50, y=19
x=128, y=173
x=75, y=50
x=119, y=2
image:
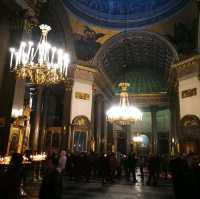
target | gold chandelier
x=124, y=113
x=42, y=64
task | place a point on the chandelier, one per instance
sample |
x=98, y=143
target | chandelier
x=124, y=113
x=42, y=64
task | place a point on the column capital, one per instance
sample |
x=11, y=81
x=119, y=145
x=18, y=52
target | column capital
x=154, y=108
x=68, y=84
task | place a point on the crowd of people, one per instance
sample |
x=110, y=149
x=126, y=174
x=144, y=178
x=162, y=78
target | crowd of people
x=182, y=170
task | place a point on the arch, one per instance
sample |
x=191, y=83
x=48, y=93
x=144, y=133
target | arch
x=80, y=133
x=81, y=122
x=190, y=121
x=147, y=57
x=189, y=137
x=118, y=38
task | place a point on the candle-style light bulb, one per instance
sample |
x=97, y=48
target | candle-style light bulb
x=60, y=53
x=52, y=56
x=30, y=44
x=12, y=51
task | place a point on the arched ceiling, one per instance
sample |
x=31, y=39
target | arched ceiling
x=124, y=13
x=142, y=56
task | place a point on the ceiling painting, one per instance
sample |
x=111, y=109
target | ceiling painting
x=88, y=37
x=78, y=26
x=124, y=13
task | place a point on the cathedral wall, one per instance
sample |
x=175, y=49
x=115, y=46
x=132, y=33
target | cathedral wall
x=81, y=99
x=189, y=96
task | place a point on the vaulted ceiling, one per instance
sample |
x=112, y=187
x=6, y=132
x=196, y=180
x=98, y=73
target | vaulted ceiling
x=124, y=13
x=141, y=57
x=128, y=37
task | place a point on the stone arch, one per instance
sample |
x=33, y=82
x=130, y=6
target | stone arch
x=81, y=122
x=80, y=133
x=130, y=34
x=189, y=136
x=147, y=57
x=190, y=121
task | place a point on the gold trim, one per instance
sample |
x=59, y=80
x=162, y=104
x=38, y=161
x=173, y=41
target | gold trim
x=186, y=62
x=82, y=96
x=164, y=94
x=189, y=93
x=85, y=68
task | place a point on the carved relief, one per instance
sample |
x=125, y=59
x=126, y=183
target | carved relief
x=83, y=96
x=189, y=93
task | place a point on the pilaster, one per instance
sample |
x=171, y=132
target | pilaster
x=154, y=130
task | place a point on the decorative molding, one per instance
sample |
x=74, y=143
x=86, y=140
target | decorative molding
x=186, y=63
x=183, y=69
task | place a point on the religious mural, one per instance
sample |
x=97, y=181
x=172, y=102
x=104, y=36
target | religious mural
x=80, y=129
x=184, y=37
x=86, y=44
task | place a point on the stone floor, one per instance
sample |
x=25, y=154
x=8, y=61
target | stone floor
x=118, y=190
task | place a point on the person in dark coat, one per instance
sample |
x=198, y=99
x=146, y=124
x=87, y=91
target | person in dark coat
x=132, y=166
x=178, y=169
x=51, y=187
x=11, y=180
x=105, y=169
x=154, y=170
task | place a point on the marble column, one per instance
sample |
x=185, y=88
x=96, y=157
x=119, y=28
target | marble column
x=36, y=125
x=44, y=116
x=99, y=122
x=4, y=110
x=103, y=121
x=175, y=120
x=198, y=36
x=105, y=128
x=4, y=40
x=126, y=130
x=92, y=133
x=8, y=37
x=66, y=128
x=154, y=130
x=115, y=137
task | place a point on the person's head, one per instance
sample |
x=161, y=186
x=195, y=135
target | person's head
x=16, y=160
x=63, y=153
x=52, y=162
